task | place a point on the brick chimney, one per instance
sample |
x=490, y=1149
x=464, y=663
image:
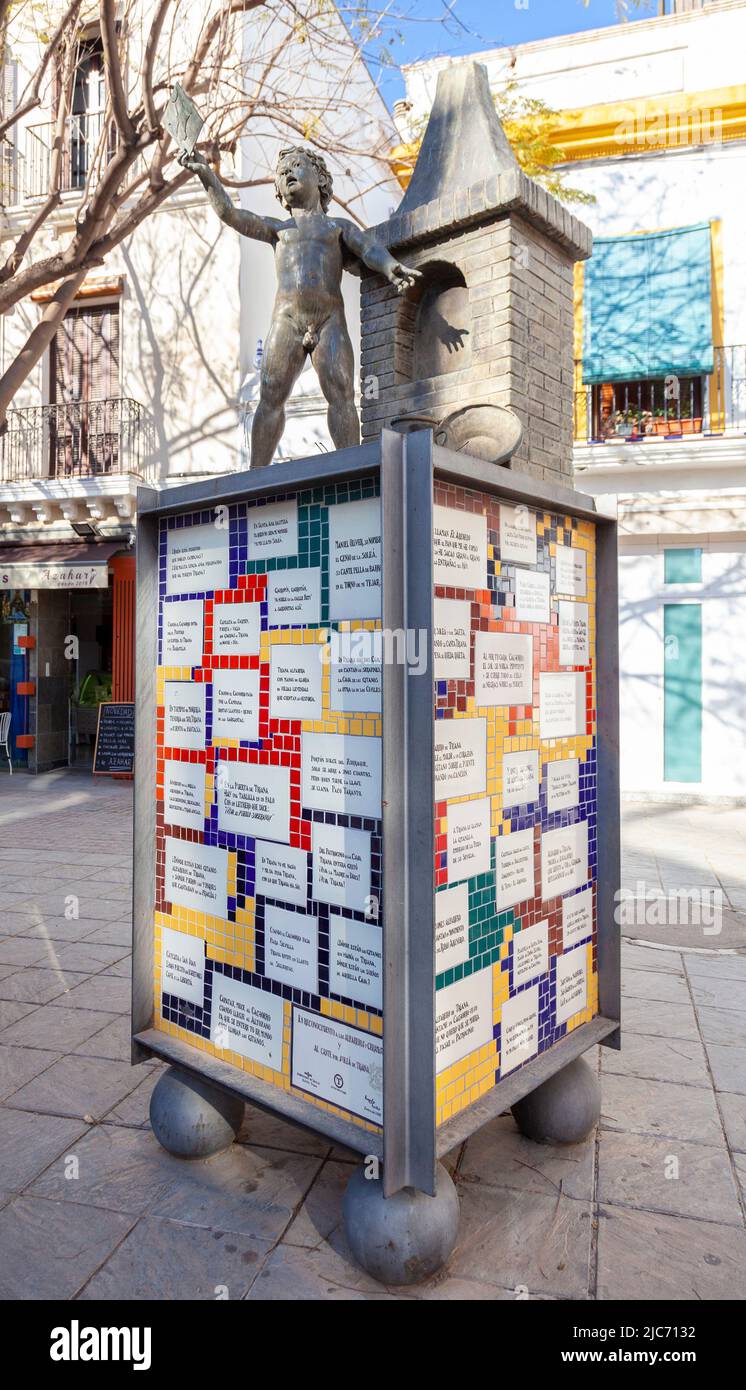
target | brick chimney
x=491, y=323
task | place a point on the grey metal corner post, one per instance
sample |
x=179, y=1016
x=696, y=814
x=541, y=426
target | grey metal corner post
x=402, y=1226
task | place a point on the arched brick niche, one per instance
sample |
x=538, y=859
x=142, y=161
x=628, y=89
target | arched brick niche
x=433, y=335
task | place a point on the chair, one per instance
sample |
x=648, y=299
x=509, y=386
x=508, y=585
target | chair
x=5, y=737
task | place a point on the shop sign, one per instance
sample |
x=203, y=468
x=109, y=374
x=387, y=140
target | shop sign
x=54, y=576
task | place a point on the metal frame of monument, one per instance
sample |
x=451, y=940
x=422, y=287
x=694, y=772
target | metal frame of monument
x=410, y=1144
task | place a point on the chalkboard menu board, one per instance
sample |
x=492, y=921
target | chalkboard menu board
x=115, y=739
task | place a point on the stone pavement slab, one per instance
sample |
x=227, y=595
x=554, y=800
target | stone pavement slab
x=11, y=1011
x=647, y=1256
x=77, y=1086
x=719, y=994
x=134, y=1109
x=515, y=1238
x=30, y=1143
x=733, y=1111
x=39, y=985
x=658, y=1059
x=112, y=1041
x=50, y=1249
x=723, y=966
x=661, y=1021
x=655, y=985
x=89, y=957
x=57, y=1027
x=109, y=994
x=728, y=1068
x=21, y=950
x=118, y=1169
x=667, y=1175
x=499, y=1156
x=112, y=933
x=249, y=1190
x=18, y=1065
x=723, y=1026
x=639, y=1106
x=168, y=1260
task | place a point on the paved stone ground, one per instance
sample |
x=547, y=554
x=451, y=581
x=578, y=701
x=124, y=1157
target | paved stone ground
x=91, y=1207
x=668, y=847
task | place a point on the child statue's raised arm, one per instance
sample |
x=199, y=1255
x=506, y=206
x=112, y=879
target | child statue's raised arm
x=240, y=219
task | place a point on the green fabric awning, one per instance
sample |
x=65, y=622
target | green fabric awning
x=647, y=308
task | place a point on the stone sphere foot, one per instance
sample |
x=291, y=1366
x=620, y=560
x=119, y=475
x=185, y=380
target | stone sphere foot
x=564, y=1109
x=191, y=1118
x=405, y=1238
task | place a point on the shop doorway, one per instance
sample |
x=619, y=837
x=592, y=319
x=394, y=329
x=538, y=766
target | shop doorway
x=14, y=625
x=91, y=626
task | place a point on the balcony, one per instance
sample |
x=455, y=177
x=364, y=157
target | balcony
x=25, y=167
x=665, y=409
x=83, y=439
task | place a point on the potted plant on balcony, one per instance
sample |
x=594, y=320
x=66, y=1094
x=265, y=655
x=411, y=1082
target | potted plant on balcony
x=680, y=421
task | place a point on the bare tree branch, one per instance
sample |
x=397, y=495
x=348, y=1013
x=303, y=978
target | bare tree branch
x=113, y=68
x=32, y=96
x=55, y=167
x=147, y=72
x=126, y=226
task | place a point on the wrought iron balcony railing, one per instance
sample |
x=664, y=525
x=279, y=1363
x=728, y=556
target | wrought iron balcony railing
x=26, y=158
x=81, y=156
x=667, y=407
x=82, y=439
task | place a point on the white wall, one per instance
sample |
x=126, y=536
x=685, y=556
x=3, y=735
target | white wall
x=642, y=595
x=681, y=53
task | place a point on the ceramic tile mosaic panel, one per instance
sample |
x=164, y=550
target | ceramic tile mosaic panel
x=268, y=922
x=515, y=787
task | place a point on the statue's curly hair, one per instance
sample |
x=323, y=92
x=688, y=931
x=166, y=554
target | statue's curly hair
x=319, y=164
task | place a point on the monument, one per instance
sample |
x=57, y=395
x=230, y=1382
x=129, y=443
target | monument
x=377, y=834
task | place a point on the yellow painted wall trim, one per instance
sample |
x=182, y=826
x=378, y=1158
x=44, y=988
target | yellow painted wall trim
x=672, y=121
x=717, y=380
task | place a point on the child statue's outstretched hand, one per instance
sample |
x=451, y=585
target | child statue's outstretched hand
x=403, y=277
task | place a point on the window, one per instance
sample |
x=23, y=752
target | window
x=85, y=354
x=682, y=566
x=87, y=117
x=682, y=692
x=85, y=396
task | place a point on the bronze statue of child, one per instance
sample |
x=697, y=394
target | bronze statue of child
x=308, y=316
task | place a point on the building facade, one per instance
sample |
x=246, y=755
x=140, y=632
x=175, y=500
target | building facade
x=153, y=375
x=651, y=120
